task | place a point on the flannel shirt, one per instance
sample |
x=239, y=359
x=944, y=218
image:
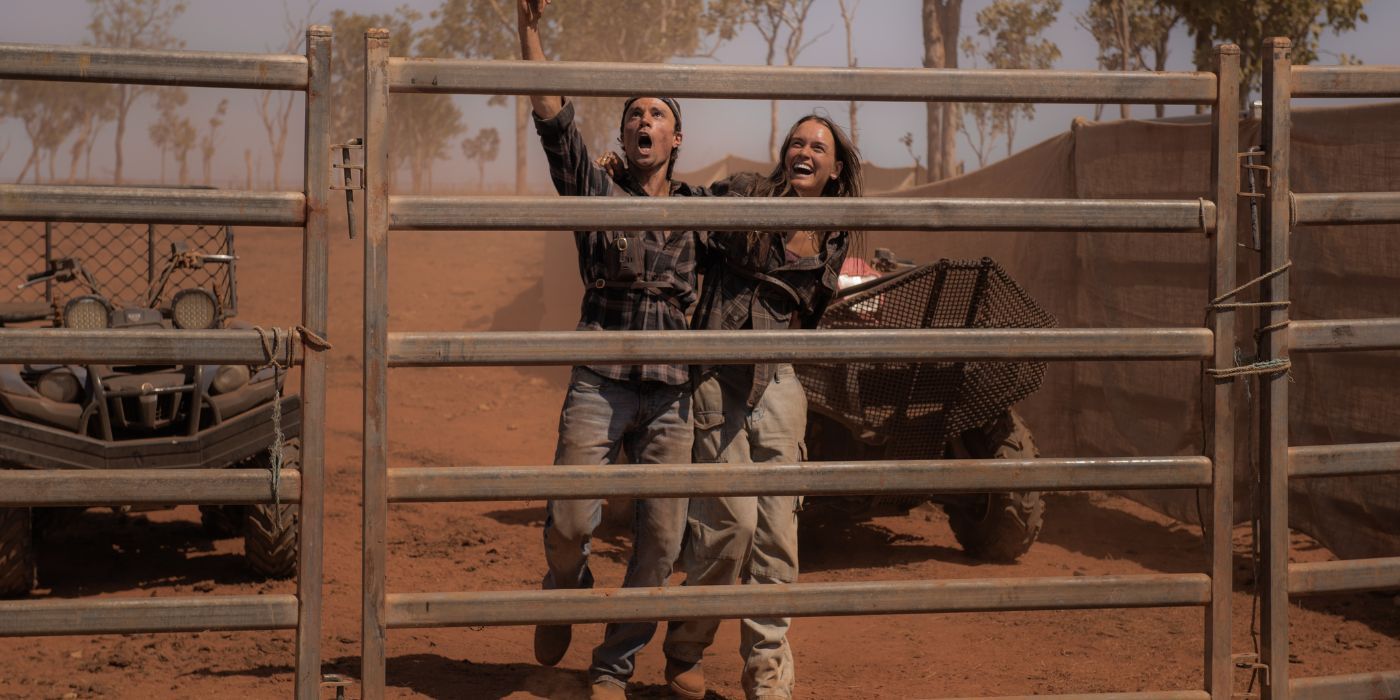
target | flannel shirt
x=669, y=256
x=757, y=286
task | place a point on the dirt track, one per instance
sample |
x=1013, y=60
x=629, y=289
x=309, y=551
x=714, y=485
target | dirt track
x=458, y=417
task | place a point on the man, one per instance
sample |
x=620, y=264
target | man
x=633, y=281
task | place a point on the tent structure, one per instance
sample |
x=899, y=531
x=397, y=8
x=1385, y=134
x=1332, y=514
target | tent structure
x=1142, y=408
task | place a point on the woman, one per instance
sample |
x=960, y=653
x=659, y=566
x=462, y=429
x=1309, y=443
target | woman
x=758, y=413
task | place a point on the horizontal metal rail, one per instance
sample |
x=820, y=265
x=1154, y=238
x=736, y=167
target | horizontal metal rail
x=67, y=346
x=450, y=349
x=1344, y=334
x=1140, y=695
x=439, y=484
x=1346, y=81
x=500, y=213
x=145, y=487
x=1342, y=208
x=1344, y=576
x=797, y=83
x=1344, y=460
x=23, y=618
x=151, y=205
x=405, y=610
x=145, y=67
x=1381, y=685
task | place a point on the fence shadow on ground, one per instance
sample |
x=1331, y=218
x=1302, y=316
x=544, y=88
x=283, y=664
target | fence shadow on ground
x=1079, y=523
x=101, y=551
x=832, y=540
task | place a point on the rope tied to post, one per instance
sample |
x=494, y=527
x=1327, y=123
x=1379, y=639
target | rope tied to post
x=279, y=354
x=1222, y=303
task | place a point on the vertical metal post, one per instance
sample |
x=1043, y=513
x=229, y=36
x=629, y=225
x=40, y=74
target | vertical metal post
x=1273, y=388
x=48, y=260
x=315, y=256
x=150, y=254
x=376, y=422
x=1220, y=422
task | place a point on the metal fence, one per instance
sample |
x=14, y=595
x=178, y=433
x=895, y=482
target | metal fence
x=125, y=206
x=1212, y=220
x=1285, y=209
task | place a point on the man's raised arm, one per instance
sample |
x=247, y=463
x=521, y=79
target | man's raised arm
x=529, y=12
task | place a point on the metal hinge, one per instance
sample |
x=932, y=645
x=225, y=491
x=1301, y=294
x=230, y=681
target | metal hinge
x=352, y=176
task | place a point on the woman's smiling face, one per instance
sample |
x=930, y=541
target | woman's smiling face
x=810, y=158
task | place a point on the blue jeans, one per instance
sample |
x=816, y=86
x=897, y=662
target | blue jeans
x=600, y=417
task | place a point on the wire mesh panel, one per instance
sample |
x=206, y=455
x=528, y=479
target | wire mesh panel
x=21, y=253
x=123, y=260
x=915, y=408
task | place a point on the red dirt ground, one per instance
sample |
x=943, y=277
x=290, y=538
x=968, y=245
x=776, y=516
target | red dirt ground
x=461, y=417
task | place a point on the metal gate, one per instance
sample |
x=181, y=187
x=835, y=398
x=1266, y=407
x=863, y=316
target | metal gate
x=1278, y=461
x=1211, y=220
x=306, y=209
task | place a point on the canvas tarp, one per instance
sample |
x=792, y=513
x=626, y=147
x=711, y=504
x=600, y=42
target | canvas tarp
x=1113, y=280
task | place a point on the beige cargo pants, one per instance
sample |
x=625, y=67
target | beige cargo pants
x=744, y=538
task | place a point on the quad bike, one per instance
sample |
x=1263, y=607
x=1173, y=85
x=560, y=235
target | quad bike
x=931, y=410
x=148, y=416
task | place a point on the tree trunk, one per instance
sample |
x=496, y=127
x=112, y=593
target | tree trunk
x=949, y=21
x=933, y=58
x=773, y=153
x=122, y=105
x=522, y=136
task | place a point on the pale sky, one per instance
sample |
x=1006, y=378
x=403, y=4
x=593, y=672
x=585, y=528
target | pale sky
x=888, y=34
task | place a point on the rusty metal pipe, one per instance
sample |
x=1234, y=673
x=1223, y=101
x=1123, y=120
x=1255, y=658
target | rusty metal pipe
x=1344, y=334
x=1356, y=686
x=68, y=346
x=144, y=487
x=407, y=610
x=438, y=484
x=151, y=205
x=90, y=64
x=1346, y=81
x=24, y=618
x=438, y=75
x=1344, y=460
x=1342, y=208
x=1311, y=578
x=446, y=349
x=496, y=213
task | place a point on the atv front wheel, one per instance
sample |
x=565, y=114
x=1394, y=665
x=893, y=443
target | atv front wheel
x=270, y=532
x=270, y=540
x=999, y=526
x=16, y=552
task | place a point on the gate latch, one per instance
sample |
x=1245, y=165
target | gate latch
x=349, y=159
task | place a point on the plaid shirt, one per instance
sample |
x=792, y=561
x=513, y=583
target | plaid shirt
x=669, y=256
x=760, y=287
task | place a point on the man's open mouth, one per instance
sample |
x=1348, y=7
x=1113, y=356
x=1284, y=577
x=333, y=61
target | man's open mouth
x=644, y=142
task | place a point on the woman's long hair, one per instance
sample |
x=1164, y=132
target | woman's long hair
x=848, y=183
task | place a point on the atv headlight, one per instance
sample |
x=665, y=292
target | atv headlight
x=194, y=308
x=59, y=385
x=87, y=313
x=230, y=378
